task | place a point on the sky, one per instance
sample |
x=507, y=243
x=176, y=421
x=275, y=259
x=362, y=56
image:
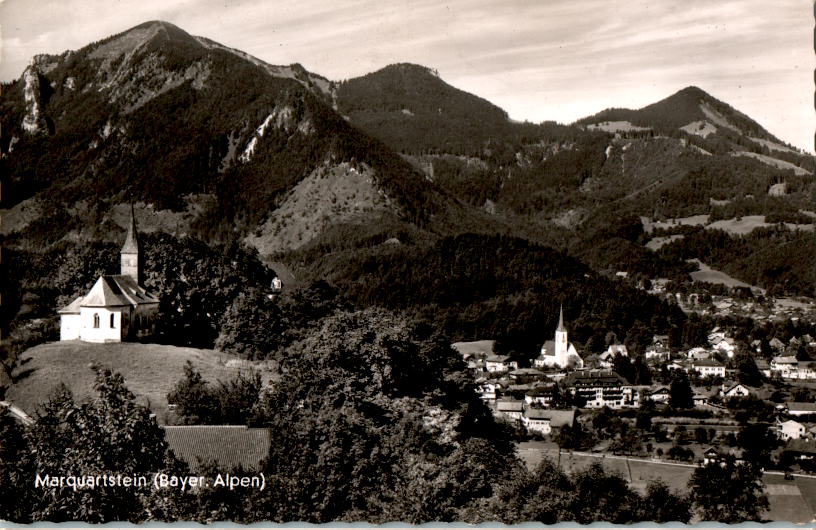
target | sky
x=537, y=59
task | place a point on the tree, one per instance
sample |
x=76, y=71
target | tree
x=574, y=437
x=758, y=441
x=681, y=395
x=231, y=402
x=728, y=492
x=661, y=505
x=193, y=398
x=603, y=496
x=376, y=420
x=545, y=495
x=16, y=469
x=643, y=419
x=109, y=435
x=747, y=371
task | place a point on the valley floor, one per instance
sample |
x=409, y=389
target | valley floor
x=791, y=501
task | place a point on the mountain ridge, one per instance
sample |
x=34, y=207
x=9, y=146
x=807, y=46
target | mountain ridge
x=280, y=158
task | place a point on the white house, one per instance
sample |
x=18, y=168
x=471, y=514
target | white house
x=544, y=421
x=559, y=352
x=660, y=395
x=487, y=390
x=656, y=352
x=698, y=353
x=708, y=367
x=536, y=420
x=615, y=349
x=737, y=390
x=511, y=409
x=784, y=364
x=500, y=363
x=726, y=345
x=541, y=395
x=602, y=388
x=711, y=456
x=789, y=368
x=790, y=430
x=117, y=308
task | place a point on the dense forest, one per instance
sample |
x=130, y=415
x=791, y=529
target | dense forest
x=775, y=258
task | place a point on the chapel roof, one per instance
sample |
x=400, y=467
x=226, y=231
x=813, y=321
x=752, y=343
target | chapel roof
x=117, y=290
x=73, y=307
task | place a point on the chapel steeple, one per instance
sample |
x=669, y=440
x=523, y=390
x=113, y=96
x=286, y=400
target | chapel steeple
x=130, y=265
x=561, y=320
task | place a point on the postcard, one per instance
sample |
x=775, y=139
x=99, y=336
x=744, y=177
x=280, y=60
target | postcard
x=468, y=262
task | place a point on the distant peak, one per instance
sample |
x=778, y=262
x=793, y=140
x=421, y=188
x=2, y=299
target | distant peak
x=158, y=24
x=162, y=30
x=694, y=92
x=412, y=68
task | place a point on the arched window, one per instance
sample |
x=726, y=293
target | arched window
x=96, y=320
x=111, y=319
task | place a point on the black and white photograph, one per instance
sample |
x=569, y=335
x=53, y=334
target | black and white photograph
x=407, y=261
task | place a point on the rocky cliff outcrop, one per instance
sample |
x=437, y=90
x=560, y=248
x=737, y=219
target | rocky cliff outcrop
x=33, y=120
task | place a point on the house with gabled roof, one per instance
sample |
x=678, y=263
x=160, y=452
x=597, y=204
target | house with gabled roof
x=660, y=395
x=500, y=363
x=541, y=395
x=790, y=430
x=545, y=420
x=737, y=390
x=602, y=388
x=708, y=367
x=117, y=308
x=511, y=409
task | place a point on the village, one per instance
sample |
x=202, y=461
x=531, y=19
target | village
x=697, y=406
x=663, y=403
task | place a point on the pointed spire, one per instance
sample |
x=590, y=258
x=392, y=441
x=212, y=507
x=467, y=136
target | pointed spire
x=561, y=320
x=131, y=245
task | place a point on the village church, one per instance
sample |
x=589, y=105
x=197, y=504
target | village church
x=117, y=308
x=560, y=353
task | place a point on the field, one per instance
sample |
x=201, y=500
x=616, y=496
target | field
x=734, y=226
x=791, y=501
x=748, y=223
x=707, y=274
x=657, y=242
x=483, y=347
x=773, y=162
x=150, y=370
x=694, y=220
x=615, y=126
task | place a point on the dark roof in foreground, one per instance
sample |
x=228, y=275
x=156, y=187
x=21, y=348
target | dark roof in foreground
x=229, y=445
x=558, y=418
x=801, y=406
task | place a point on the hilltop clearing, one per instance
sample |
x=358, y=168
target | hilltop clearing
x=150, y=370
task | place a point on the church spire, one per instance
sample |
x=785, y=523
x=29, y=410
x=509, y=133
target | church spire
x=561, y=320
x=131, y=241
x=129, y=254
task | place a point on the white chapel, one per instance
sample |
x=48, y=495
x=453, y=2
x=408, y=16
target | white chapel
x=117, y=308
x=560, y=353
